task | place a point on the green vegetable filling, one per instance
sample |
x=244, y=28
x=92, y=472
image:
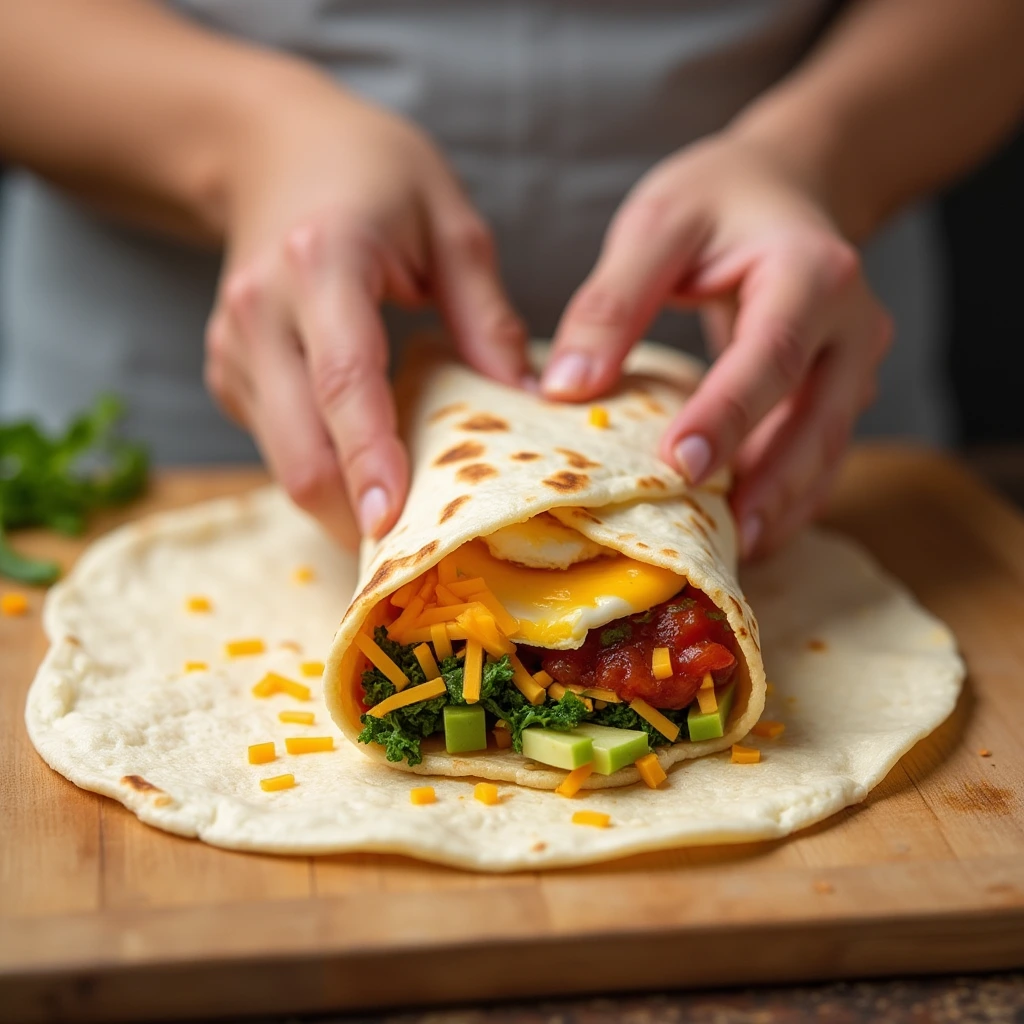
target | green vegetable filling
x=401, y=732
x=56, y=482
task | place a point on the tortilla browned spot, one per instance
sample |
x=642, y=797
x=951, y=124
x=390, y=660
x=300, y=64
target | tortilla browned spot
x=576, y=460
x=670, y=552
x=699, y=511
x=582, y=513
x=446, y=410
x=566, y=482
x=651, y=481
x=699, y=527
x=466, y=450
x=654, y=406
x=525, y=456
x=483, y=421
x=390, y=566
x=641, y=544
x=742, y=631
x=816, y=645
x=139, y=783
x=475, y=472
x=452, y=507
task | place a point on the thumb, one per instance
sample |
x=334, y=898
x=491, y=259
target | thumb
x=649, y=248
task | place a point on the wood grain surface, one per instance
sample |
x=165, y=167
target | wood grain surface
x=102, y=918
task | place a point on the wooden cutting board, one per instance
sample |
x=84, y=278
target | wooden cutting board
x=102, y=918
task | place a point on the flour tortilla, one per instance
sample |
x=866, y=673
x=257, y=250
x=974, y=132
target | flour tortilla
x=860, y=672
x=485, y=456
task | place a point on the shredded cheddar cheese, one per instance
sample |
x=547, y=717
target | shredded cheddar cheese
x=601, y=694
x=273, y=683
x=661, y=663
x=542, y=679
x=425, y=635
x=650, y=770
x=707, y=700
x=314, y=669
x=403, y=595
x=480, y=626
x=426, y=659
x=427, y=583
x=441, y=641
x=379, y=659
x=502, y=738
x=570, y=785
x=667, y=728
x=526, y=684
x=745, y=755
x=425, y=691
x=464, y=588
x=196, y=666
x=486, y=793
x=241, y=648
x=597, y=819
x=303, y=574
x=13, y=604
x=198, y=604
x=445, y=597
x=449, y=613
x=406, y=621
x=768, y=729
x=507, y=623
x=447, y=571
x=261, y=753
x=598, y=417
x=296, y=717
x=420, y=796
x=707, y=683
x=308, y=744
x=472, y=671
x=277, y=782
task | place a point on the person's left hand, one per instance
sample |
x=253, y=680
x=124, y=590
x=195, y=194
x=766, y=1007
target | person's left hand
x=722, y=225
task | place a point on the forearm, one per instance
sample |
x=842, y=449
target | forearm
x=898, y=98
x=131, y=107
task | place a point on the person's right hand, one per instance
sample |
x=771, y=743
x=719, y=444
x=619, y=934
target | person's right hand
x=334, y=207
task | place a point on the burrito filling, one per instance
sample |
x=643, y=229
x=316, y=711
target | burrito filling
x=537, y=630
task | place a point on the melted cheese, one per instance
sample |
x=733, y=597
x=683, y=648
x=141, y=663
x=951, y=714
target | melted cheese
x=557, y=607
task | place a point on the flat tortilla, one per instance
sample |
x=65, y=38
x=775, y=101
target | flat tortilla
x=486, y=456
x=860, y=673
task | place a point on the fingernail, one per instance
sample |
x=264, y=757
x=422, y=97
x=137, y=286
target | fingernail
x=373, y=509
x=569, y=373
x=693, y=456
x=750, y=534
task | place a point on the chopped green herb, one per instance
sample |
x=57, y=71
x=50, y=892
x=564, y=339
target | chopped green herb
x=716, y=615
x=56, y=482
x=683, y=605
x=615, y=634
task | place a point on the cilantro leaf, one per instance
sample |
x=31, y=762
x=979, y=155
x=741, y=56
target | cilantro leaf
x=56, y=482
x=614, y=634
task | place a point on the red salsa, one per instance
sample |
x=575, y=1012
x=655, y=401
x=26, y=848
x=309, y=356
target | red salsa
x=618, y=656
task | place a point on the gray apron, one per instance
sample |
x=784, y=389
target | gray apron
x=549, y=112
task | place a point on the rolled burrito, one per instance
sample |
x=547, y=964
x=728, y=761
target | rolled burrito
x=554, y=597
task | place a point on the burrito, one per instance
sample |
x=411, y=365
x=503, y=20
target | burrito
x=554, y=598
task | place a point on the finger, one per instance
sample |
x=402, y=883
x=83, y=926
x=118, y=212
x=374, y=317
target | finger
x=225, y=375
x=341, y=331
x=785, y=303
x=780, y=468
x=485, y=328
x=295, y=444
x=277, y=398
x=648, y=249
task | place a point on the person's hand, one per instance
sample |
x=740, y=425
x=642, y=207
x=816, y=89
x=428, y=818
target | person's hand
x=335, y=207
x=722, y=226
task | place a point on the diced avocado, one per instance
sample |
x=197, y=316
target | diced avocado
x=614, y=748
x=561, y=749
x=465, y=728
x=711, y=725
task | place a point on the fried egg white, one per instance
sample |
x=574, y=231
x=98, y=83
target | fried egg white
x=557, y=607
x=543, y=543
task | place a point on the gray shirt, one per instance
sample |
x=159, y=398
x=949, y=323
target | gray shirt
x=549, y=110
